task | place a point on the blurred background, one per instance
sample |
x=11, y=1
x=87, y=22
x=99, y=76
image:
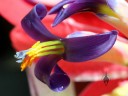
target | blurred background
x=13, y=82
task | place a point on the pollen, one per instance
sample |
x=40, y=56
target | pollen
x=40, y=49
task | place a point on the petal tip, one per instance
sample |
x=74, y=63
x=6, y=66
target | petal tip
x=114, y=32
x=40, y=10
x=59, y=82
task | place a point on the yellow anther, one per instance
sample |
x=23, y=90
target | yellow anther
x=31, y=53
x=25, y=63
x=50, y=48
x=49, y=43
x=42, y=49
x=36, y=44
x=32, y=59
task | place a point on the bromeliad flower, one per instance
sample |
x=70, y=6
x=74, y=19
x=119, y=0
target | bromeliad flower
x=49, y=49
x=68, y=7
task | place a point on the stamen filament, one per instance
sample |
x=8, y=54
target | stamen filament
x=42, y=49
x=50, y=53
x=48, y=48
x=36, y=44
x=48, y=43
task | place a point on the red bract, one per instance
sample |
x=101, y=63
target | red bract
x=91, y=19
x=93, y=71
x=15, y=10
x=20, y=44
x=94, y=90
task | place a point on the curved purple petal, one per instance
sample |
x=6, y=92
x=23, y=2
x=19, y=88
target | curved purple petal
x=50, y=73
x=73, y=7
x=88, y=47
x=59, y=6
x=65, y=13
x=59, y=80
x=32, y=25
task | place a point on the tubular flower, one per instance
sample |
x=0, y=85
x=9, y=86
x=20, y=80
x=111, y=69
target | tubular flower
x=50, y=49
x=67, y=8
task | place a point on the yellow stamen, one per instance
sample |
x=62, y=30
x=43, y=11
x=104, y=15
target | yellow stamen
x=50, y=53
x=107, y=10
x=48, y=43
x=36, y=44
x=25, y=63
x=48, y=48
x=42, y=49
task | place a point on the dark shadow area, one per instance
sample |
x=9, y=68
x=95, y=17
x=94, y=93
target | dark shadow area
x=80, y=86
x=13, y=82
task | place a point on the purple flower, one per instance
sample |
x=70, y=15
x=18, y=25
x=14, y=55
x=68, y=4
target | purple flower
x=67, y=8
x=50, y=49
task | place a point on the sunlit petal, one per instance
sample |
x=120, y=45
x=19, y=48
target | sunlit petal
x=118, y=54
x=31, y=23
x=88, y=47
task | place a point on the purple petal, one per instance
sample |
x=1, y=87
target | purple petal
x=50, y=73
x=59, y=6
x=88, y=47
x=65, y=13
x=74, y=7
x=32, y=25
x=59, y=80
